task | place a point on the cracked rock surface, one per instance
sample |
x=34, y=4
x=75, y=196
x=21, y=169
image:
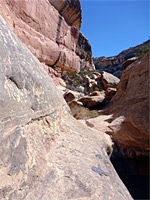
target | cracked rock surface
x=44, y=152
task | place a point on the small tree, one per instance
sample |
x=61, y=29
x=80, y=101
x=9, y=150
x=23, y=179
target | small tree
x=143, y=51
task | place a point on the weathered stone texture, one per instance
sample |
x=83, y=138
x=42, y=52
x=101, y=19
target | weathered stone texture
x=70, y=10
x=130, y=109
x=44, y=152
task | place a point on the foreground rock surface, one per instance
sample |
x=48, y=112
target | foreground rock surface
x=130, y=109
x=50, y=29
x=44, y=152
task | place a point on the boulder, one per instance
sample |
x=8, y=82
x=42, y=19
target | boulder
x=130, y=108
x=93, y=101
x=92, y=82
x=110, y=92
x=109, y=80
x=44, y=152
x=86, y=80
x=50, y=29
x=80, y=89
x=94, y=75
x=96, y=93
x=71, y=95
x=81, y=112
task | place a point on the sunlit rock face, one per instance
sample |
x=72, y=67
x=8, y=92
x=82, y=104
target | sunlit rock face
x=51, y=30
x=44, y=152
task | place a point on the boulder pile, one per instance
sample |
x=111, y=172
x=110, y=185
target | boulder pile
x=99, y=88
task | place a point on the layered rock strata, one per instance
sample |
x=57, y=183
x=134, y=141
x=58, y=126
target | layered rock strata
x=44, y=152
x=70, y=10
x=113, y=64
x=50, y=29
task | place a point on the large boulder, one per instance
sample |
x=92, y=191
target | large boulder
x=130, y=109
x=44, y=152
x=50, y=29
x=71, y=95
x=109, y=80
x=93, y=101
x=110, y=92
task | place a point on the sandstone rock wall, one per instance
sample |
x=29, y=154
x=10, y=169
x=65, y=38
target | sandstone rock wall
x=50, y=29
x=44, y=152
x=130, y=109
x=70, y=10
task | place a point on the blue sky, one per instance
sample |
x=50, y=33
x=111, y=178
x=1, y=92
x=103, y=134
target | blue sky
x=113, y=26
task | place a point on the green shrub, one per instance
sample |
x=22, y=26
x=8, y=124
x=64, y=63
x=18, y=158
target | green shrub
x=96, y=89
x=75, y=78
x=142, y=51
x=84, y=72
x=54, y=67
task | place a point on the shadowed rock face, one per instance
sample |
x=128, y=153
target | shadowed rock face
x=70, y=10
x=50, y=29
x=44, y=152
x=130, y=108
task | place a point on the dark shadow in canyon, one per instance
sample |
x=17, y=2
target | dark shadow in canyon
x=134, y=173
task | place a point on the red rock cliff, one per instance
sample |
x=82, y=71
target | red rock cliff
x=50, y=29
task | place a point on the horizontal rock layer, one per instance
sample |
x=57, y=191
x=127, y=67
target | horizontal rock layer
x=50, y=30
x=44, y=152
x=113, y=64
x=70, y=10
